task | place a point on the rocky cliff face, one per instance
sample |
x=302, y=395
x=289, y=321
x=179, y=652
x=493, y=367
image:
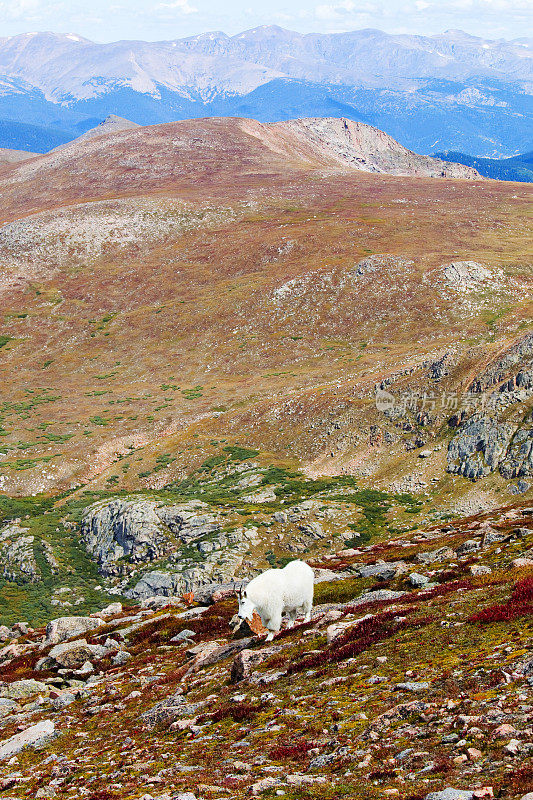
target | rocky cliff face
x=502, y=438
x=186, y=542
x=363, y=147
x=478, y=447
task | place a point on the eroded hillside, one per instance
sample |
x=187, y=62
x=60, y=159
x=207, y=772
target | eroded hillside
x=167, y=287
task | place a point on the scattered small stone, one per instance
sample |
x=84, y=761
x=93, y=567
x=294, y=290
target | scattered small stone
x=122, y=657
x=451, y=794
x=417, y=580
x=480, y=569
x=412, y=686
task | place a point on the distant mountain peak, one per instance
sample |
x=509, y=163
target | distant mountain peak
x=453, y=90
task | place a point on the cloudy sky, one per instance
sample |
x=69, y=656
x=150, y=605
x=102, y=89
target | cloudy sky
x=107, y=20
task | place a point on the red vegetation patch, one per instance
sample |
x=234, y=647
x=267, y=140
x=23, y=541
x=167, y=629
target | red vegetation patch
x=520, y=781
x=157, y=632
x=295, y=751
x=520, y=604
x=23, y=667
x=215, y=621
x=238, y=712
x=358, y=639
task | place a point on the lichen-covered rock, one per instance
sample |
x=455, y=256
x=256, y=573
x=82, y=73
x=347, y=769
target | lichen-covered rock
x=59, y=630
x=71, y=655
x=17, y=559
x=32, y=736
x=18, y=690
x=478, y=446
x=169, y=709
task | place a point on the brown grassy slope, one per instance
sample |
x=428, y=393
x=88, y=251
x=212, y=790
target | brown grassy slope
x=167, y=278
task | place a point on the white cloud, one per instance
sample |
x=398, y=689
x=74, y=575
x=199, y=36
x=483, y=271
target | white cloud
x=335, y=11
x=182, y=6
x=25, y=9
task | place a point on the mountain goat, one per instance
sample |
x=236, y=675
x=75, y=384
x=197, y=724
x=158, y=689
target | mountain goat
x=276, y=592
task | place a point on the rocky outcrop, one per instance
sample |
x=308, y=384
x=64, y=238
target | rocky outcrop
x=190, y=521
x=185, y=540
x=467, y=275
x=140, y=531
x=222, y=557
x=356, y=145
x=518, y=460
x=482, y=444
x=502, y=367
x=478, y=446
x=17, y=559
x=124, y=529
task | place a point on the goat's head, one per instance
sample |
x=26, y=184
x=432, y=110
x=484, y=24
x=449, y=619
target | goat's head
x=246, y=607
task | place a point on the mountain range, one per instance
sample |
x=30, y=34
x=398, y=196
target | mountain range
x=447, y=92
x=518, y=168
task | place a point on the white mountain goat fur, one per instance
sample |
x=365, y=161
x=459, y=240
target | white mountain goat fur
x=276, y=592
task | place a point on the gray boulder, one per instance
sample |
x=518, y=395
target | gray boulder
x=384, y=571
x=71, y=655
x=63, y=628
x=430, y=556
x=417, y=580
x=18, y=690
x=451, y=794
x=376, y=597
x=32, y=736
x=122, y=657
x=160, y=583
x=65, y=699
